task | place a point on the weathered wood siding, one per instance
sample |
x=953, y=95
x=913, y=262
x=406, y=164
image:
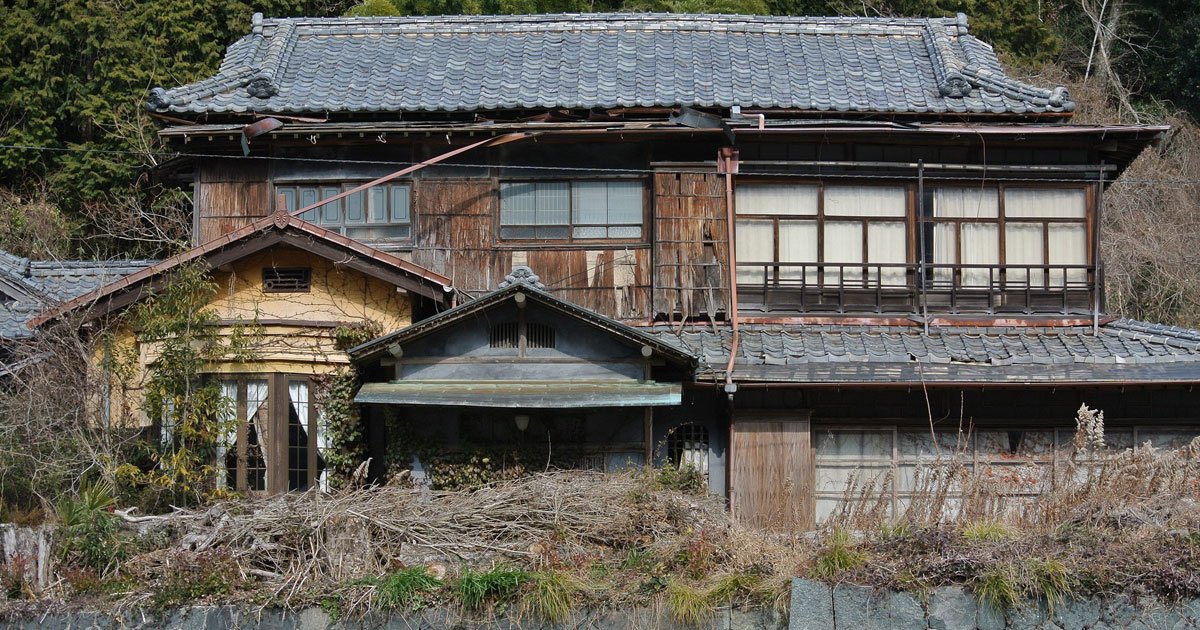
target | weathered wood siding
x=455, y=235
x=772, y=471
x=691, y=244
x=230, y=195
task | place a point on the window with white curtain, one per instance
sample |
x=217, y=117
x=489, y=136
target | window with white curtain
x=832, y=224
x=262, y=448
x=1038, y=226
x=570, y=210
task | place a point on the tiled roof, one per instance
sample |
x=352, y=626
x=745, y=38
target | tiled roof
x=278, y=227
x=607, y=60
x=1124, y=350
x=35, y=284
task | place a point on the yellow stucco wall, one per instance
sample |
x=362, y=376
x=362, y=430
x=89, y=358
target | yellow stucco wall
x=284, y=332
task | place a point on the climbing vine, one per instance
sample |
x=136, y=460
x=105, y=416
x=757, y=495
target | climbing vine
x=176, y=327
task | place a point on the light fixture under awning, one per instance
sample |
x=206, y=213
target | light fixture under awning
x=531, y=394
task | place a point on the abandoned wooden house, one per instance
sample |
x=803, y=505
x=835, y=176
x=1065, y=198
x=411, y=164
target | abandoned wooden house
x=777, y=249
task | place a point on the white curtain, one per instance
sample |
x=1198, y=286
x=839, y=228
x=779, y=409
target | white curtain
x=755, y=243
x=1023, y=246
x=323, y=448
x=887, y=243
x=256, y=403
x=694, y=456
x=797, y=243
x=1068, y=246
x=228, y=437
x=776, y=199
x=843, y=244
x=980, y=242
x=1057, y=203
x=298, y=395
x=866, y=201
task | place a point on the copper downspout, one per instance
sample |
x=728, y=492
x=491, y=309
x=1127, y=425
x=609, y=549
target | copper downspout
x=730, y=231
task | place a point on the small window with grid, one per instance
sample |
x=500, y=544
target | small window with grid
x=687, y=447
x=379, y=214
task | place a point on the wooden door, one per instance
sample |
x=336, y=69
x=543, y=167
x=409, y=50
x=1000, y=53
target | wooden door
x=772, y=472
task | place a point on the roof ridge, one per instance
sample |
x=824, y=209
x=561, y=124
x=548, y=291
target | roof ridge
x=600, y=17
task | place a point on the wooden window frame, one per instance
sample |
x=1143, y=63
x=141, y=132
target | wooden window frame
x=570, y=238
x=821, y=218
x=276, y=449
x=1001, y=219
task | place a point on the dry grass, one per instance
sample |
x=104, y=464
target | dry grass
x=540, y=547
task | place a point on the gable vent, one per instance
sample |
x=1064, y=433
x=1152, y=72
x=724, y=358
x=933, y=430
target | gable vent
x=539, y=336
x=508, y=335
x=504, y=335
x=286, y=279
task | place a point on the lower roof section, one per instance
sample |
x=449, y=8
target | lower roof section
x=1117, y=352
x=523, y=394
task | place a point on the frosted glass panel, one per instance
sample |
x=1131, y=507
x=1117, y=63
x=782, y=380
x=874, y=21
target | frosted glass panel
x=400, y=204
x=776, y=199
x=1045, y=202
x=590, y=203
x=625, y=202
x=858, y=201
x=553, y=203
x=517, y=204
x=377, y=205
x=972, y=203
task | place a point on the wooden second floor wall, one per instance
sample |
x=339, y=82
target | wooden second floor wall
x=678, y=267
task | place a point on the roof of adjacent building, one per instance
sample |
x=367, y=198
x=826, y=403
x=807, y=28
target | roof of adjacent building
x=27, y=287
x=521, y=280
x=1119, y=351
x=274, y=229
x=610, y=60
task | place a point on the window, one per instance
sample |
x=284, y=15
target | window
x=1012, y=226
x=272, y=438
x=687, y=448
x=380, y=213
x=575, y=210
x=286, y=279
x=840, y=226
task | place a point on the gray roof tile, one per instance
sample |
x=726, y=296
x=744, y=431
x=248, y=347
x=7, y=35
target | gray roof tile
x=1125, y=342
x=48, y=282
x=470, y=63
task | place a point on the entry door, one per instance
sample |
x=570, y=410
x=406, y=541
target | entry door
x=771, y=471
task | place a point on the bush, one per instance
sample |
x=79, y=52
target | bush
x=90, y=533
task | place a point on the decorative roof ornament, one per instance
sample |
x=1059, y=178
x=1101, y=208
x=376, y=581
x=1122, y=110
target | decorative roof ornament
x=261, y=87
x=522, y=274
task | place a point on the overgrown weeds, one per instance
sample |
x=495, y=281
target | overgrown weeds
x=496, y=585
x=407, y=589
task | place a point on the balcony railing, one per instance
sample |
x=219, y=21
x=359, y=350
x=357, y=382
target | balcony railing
x=903, y=288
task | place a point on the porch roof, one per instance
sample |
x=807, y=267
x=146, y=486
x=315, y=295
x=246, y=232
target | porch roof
x=1122, y=351
x=523, y=394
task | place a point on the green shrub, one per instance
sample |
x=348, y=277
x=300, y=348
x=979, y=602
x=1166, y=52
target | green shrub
x=90, y=534
x=498, y=584
x=551, y=596
x=1051, y=579
x=999, y=586
x=840, y=555
x=987, y=532
x=406, y=589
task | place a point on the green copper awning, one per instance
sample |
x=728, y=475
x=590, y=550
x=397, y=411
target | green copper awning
x=531, y=394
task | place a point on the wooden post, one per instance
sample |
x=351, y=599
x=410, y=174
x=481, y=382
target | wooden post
x=648, y=435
